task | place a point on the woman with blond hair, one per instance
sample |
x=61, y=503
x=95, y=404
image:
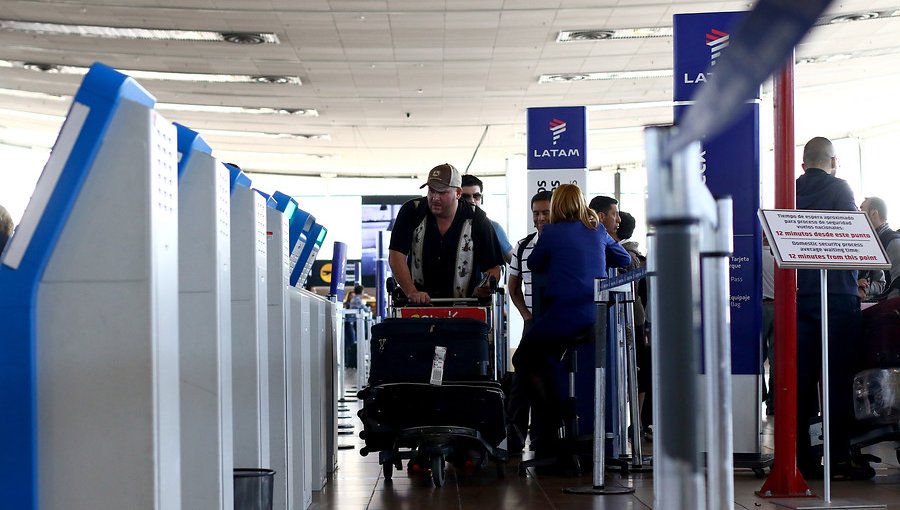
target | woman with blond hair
x=571, y=252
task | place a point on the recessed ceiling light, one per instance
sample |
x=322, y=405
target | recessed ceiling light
x=159, y=75
x=153, y=34
x=257, y=134
x=624, y=33
x=300, y=112
x=614, y=75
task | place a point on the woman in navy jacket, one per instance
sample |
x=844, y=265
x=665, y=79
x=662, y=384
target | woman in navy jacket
x=571, y=252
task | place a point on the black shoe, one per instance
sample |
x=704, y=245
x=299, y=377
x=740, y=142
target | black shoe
x=811, y=471
x=854, y=469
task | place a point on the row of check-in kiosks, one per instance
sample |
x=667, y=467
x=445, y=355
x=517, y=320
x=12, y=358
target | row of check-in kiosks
x=153, y=335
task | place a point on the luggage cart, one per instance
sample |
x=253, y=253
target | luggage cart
x=458, y=418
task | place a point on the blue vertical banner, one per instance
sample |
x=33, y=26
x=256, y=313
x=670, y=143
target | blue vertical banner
x=338, y=270
x=730, y=166
x=557, y=149
x=557, y=138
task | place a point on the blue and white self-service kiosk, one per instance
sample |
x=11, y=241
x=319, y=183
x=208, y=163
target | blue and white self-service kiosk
x=314, y=240
x=301, y=391
x=301, y=226
x=249, y=325
x=300, y=223
x=204, y=278
x=280, y=346
x=89, y=356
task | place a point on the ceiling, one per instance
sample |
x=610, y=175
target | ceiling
x=402, y=85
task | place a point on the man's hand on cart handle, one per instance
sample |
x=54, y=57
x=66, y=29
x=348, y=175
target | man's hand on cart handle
x=419, y=298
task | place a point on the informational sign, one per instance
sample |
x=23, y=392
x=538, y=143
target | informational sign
x=823, y=239
x=730, y=164
x=549, y=180
x=557, y=137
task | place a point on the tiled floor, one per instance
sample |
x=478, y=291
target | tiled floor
x=358, y=484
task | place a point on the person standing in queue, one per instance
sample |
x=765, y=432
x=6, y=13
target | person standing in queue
x=440, y=244
x=819, y=189
x=519, y=286
x=473, y=193
x=571, y=252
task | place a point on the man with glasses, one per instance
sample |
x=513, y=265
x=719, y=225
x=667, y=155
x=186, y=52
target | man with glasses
x=440, y=245
x=473, y=193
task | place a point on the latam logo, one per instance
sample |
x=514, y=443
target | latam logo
x=717, y=41
x=557, y=128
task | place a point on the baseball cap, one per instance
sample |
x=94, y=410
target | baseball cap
x=442, y=177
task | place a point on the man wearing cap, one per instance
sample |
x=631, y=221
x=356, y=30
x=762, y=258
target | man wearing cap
x=441, y=245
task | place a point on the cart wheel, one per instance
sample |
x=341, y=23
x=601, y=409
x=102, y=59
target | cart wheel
x=438, y=473
x=759, y=472
x=388, y=468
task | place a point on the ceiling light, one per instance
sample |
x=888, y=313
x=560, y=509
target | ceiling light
x=625, y=33
x=153, y=34
x=300, y=112
x=158, y=75
x=33, y=95
x=629, y=106
x=615, y=75
x=257, y=134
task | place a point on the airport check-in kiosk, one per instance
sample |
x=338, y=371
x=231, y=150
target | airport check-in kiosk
x=301, y=408
x=204, y=279
x=314, y=240
x=324, y=402
x=301, y=227
x=300, y=223
x=89, y=357
x=287, y=378
x=249, y=325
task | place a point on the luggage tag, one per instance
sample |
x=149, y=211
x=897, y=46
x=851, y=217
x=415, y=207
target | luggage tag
x=437, y=366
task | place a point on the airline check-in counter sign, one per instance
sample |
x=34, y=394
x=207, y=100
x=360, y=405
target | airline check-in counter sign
x=804, y=239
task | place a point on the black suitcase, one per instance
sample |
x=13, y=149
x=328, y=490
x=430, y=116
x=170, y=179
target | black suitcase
x=402, y=350
x=389, y=409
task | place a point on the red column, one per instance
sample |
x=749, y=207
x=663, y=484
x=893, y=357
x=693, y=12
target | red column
x=785, y=479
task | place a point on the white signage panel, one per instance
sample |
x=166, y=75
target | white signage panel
x=823, y=239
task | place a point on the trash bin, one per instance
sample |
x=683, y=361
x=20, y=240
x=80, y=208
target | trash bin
x=253, y=489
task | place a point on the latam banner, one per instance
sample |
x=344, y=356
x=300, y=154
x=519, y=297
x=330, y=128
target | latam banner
x=557, y=138
x=730, y=166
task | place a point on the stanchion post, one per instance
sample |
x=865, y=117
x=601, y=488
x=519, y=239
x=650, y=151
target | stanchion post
x=717, y=247
x=601, y=335
x=785, y=479
x=826, y=408
x=677, y=200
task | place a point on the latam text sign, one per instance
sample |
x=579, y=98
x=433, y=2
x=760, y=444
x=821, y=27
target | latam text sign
x=557, y=137
x=700, y=39
x=823, y=239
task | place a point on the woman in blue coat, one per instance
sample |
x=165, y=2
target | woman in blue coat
x=571, y=252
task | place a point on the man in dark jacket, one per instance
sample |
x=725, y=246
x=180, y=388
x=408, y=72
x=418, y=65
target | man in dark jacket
x=819, y=189
x=440, y=245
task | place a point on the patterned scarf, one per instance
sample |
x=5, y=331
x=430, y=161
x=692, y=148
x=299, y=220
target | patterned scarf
x=465, y=254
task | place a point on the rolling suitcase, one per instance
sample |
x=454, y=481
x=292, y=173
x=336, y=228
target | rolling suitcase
x=402, y=350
